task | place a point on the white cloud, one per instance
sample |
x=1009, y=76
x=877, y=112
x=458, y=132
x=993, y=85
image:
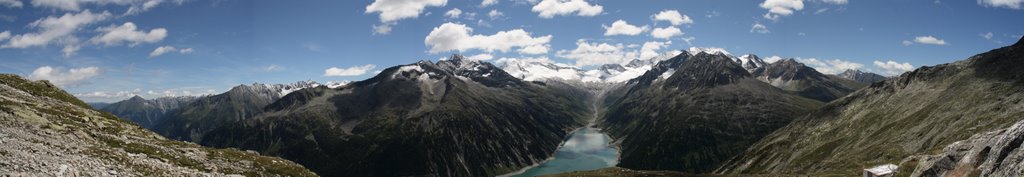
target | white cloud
x=778, y=8
x=166, y=49
x=650, y=49
x=835, y=1
x=759, y=28
x=772, y=59
x=482, y=56
x=5, y=35
x=452, y=36
x=486, y=3
x=382, y=29
x=394, y=10
x=61, y=77
x=552, y=8
x=145, y=6
x=454, y=13
x=350, y=71
x=70, y=5
x=983, y=35
x=673, y=16
x=12, y=3
x=535, y=49
x=906, y=42
x=834, y=66
x=272, y=68
x=893, y=68
x=52, y=29
x=128, y=33
x=621, y=27
x=929, y=40
x=587, y=54
x=1012, y=4
x=495, y=14
x=666, y=32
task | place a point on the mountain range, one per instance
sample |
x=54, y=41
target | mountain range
x=455, y=117
x=695, y=111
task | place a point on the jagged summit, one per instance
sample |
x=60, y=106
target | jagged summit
x=861, y=76
x=750, y=62
x=705, y=70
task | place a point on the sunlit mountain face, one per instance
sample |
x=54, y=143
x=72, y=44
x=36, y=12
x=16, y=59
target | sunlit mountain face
x=511, y=88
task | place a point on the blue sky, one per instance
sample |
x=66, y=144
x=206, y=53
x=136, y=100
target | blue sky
x=108, y=50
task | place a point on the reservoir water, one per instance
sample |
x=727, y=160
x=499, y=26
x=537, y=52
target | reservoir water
x=586, y=149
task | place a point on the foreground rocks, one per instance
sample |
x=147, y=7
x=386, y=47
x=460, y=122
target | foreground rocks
x=46, y=132
x=995, y=153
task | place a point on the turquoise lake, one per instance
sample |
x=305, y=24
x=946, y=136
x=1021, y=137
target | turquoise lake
x=586, y=149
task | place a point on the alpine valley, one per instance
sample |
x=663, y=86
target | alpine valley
x=688, y=112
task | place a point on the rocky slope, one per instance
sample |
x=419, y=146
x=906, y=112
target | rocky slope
x=147, y=113
x=45, y=131
x=450, y=118
x=917, y=113
x=861, y=76
x=796, y=77
x=692, y=112
x=995, y=153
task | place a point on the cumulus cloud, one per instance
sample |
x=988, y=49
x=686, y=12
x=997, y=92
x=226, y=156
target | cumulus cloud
x=453, y=36
x=52, y=29
x=482, y=56
x=495, y=14
x=12, y=3
x=666, y=32
x=621, y=27
x=535, y=49
x=350, y=71
x=779, y=8
x=65, y=78
x=759, y=28
x=552, y=8
x=486, y=3
x=893, y=68
x=454, y=13
x=772, y=59
x=394, y=10
x=587, y=54
x=931, y=40
x=5, y=35
x=834, y=66
x=128, y=33
x=1012, y=4
x=673, y=16
x=166, y=49
x=650, y=49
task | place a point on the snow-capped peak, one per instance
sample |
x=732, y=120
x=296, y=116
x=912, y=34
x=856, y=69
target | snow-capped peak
x=708, y=50
x=750, y=62
x=539, y=70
